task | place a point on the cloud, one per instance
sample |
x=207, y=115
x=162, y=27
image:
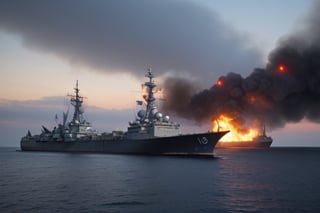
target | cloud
x=124, y=35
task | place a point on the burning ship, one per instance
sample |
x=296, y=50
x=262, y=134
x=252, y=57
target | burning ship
x=259, y=141
x=240, y=136
x=150, y=134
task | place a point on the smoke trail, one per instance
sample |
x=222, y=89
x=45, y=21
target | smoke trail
x=286, y=90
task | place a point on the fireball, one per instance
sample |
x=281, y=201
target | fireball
x=281, y=68
x=219, y=82
x=237, y=132
x=144, y=92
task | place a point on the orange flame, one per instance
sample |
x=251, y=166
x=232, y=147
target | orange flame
x=237, y=133
x=281, y=68
x=252, y=99
x=219, y=83
x=158, y=93
x=144, y=92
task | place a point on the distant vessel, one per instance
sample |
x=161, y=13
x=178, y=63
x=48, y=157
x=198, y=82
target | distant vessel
x=150, y=134
x=260, y=141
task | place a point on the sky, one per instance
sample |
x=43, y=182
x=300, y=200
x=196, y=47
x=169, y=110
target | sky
x=46, y=46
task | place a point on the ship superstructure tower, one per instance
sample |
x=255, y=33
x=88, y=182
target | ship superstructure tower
x=150, y=122
x=76, y=101
x=151, y=109
x=77, y=127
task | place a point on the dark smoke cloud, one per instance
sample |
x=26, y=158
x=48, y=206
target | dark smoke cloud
x=128, y=35
x=267, y=94
x=179, y=92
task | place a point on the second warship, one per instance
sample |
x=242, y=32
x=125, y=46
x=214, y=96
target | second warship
x=151, y=133
x=261, y=141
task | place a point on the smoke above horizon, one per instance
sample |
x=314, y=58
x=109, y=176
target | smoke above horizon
x=128, y=36
x=286, y=90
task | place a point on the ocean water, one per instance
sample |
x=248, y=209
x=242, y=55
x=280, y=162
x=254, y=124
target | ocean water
x=274, y=180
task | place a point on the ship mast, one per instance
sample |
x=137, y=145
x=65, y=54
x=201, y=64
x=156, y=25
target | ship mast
x=76, y=101
x=150, y=100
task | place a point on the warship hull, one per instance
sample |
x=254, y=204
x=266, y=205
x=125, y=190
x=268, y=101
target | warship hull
x=187, y=145
x=245, y=144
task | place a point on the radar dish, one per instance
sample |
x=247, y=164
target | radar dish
x=141, y=113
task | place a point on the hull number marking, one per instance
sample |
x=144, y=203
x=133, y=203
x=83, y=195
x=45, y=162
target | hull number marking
x=202, y=140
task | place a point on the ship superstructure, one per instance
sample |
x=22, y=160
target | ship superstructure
x=150, y=122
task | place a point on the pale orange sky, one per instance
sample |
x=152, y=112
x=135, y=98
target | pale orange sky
x=27, y=74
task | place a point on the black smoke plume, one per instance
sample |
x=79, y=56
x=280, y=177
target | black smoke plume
x=286, y=90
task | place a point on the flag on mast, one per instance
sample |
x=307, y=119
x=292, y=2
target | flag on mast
x=56, y=118
x=139, y=102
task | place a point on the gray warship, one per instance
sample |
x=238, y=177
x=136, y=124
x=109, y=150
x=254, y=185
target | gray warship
x=261, y=141
x=150, y=134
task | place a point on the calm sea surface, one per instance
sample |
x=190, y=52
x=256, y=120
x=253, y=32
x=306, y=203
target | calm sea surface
x=275, y=180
